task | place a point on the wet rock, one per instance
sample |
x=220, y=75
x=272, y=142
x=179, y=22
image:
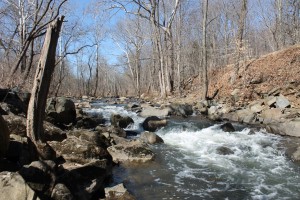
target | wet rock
x=227, y=127
x=118, y=192
x=4, y=137
x=224, y=151
x=282, y=102
x=131, y=151
x=13, y=186
x=151, y=138
x=152, y=111
x=296, y=155
x=120, y=121
x=61, y=111
x=153, y=123
x=61, y=192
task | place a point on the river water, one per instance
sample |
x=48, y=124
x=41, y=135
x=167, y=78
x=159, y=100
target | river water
x=188, y=166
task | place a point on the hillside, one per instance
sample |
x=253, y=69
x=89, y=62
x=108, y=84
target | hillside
x=278, y=71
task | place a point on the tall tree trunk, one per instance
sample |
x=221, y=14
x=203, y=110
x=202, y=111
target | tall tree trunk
x=239, y=42
x=45, y=68
x=204, y=50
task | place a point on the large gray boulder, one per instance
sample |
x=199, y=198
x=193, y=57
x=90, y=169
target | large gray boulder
x=153, y=123
x=131, y=151
x=288, y=128
x=82, y=147
x=13, y=186
x=4, y=137
x=61, y=111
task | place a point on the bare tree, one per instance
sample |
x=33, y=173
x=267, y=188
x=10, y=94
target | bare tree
x=37, y=104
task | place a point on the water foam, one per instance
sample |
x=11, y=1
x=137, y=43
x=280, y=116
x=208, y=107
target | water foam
x=257, y=167
x=107, y=110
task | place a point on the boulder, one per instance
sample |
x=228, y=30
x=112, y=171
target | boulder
x=61, y=111
x=224, y=151
x=282, y=102
x=257, y=108
x=131, y=151
x=120, y=121
x=288, y=128
x=271, y=115
x=17, y=126
x=202, y=107
x=246, y=116
x=183, y=110
x=227, y=127
x=150, y=138
x=61, y=192
x=13, y=101
x=82, y=146
x=296, y=155
x=89, y=122
x=153, y=123
x=40, y=176
x=270, y=101
x=4, y=137
x=118, y=192
x=112, y=130
x=13, y=186
x=85, y=181
x=152, y=111
x=19, y=151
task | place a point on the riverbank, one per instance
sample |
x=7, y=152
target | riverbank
x=91, y=136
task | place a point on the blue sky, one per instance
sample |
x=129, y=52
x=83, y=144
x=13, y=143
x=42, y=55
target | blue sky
x=107, y=49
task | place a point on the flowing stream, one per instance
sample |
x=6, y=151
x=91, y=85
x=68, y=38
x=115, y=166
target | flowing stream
x=188, y=166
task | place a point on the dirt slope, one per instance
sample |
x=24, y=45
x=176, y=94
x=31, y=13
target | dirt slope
x=280, y=69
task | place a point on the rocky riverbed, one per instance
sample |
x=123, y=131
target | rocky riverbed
x=87, y=141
